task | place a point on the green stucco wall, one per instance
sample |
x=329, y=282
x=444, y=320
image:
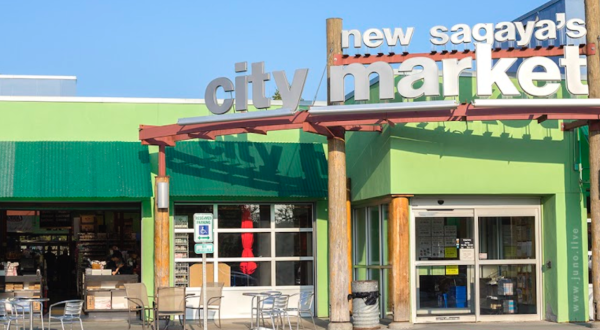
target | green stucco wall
x=518, y=158
x=114, y=121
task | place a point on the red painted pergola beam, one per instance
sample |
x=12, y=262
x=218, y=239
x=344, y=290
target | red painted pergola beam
x=150, y=132
x=157, y=135
x=550, y=51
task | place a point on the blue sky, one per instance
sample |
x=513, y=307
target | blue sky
x=175, y=48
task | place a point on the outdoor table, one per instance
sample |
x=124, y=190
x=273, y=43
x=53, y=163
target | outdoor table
x=31, y=301
x=258, y=297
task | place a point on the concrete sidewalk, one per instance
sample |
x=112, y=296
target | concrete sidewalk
x=244, y=324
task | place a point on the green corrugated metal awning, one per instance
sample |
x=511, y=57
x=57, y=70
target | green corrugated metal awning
x=74, y=170
x=247, y=169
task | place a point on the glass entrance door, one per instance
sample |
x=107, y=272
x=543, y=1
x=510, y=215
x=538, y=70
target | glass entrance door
x=444, y=285
x=508, y=261
x=476, y=264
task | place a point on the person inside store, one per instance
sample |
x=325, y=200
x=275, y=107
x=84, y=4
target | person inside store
x=50, y=260
x=115, y=250
x=64, y=267
x=133, y=262
x=114, y=262
x=122, y=269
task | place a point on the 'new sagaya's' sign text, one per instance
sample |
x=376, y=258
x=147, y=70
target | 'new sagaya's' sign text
x=537, y=76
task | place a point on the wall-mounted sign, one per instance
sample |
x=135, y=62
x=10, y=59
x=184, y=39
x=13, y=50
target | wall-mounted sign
x=489, y=33
x=466, y=243
x=55, y=219
x=290, y=94
x=20, y=223
x=537, y=76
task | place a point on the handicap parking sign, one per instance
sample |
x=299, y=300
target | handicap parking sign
x=203, y=227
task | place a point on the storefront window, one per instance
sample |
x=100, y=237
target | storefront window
x=440, y=238
x=445, y=290
x=507, y=238
x=255, y=244
x=294, y=273
x=507, y=289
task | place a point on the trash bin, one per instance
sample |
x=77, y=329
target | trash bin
x=365, y=305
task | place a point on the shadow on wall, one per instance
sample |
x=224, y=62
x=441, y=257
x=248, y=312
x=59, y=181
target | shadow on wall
x=219, y=168
x=492, y=141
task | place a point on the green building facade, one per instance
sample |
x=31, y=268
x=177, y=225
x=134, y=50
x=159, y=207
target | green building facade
x=62, y=153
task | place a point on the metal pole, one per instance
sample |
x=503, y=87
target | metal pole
x=205, y=307
x=592, y=12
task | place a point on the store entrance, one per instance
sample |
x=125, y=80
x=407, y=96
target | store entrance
x=475, y=263
x=49, y=246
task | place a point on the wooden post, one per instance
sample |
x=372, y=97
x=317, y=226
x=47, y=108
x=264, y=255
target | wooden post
x=349, y=238
x=399, y=254
x=339, y=316
x=592, y=13
x=162, y=244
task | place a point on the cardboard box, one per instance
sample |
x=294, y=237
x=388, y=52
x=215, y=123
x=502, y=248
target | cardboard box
x=88, y=219
x=106, y=272
x=196, y=274
x=89, y=301
x=118, y=299
x=9, y=287
x=102, y=300
x=96, y=272
x=88, y=271
x=18, y=286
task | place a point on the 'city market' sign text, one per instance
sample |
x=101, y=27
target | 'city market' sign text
x=537, y=76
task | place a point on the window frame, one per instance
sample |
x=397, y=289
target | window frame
x=273, y=230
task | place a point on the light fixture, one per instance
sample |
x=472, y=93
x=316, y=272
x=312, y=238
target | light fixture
x=236, y=116
x=382, y=107
x=162, y=195
x=543, y=103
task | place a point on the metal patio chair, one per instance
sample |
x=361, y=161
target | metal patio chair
x=253, y=304
x=6, y=315
x=305, y=306
x=72, y=312
x=137, y=300
x=170, y=301
x=25, y=307
x=214, y=295
x=14, y=313
x=275, y=308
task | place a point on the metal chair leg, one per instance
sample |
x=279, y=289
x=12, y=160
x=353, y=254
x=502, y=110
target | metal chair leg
x=219, y=310
x=313, y=320
x=81, y=324
x=62, y=324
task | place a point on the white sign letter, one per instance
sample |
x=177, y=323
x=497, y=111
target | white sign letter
x=526, y=76
x=429, y=75
x=451, y=69
x=572, y=64
x=488, y=75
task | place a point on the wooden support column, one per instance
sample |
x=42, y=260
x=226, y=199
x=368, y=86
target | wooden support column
x=349, y=238
x=162, y=244
x=339, y=316
x=399, y=254
x=592, y=14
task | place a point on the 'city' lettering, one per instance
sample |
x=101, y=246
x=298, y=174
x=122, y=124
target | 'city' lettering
x=290, y=94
